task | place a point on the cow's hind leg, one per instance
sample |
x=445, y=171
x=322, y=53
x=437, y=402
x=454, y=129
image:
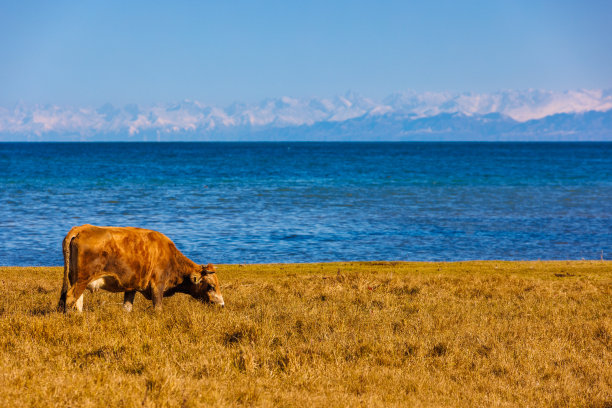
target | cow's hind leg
x=79, y=303
x=128, y=300
x=70, y=264
x=158, y=295
x=74, y=297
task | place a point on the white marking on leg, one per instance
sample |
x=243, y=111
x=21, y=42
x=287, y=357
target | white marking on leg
x=79, y=303
x=128, y=300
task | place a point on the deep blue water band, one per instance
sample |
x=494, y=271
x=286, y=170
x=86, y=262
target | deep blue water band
x=308, y=202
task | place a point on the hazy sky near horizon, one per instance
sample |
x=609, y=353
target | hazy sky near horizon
x=92, y=52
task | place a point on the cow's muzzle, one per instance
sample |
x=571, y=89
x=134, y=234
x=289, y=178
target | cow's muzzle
x=217, y=300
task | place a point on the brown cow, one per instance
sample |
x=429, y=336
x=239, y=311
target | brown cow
x=130, y=260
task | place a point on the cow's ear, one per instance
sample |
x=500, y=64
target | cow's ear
x=210, y=268
x=195, y=278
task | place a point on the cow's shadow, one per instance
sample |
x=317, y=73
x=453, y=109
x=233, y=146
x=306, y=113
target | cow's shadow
x=42, y=310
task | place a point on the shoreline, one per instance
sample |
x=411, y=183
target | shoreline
x=401, y=266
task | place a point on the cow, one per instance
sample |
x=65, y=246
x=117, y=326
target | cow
x=130, y=260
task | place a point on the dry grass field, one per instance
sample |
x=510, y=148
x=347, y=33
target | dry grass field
x=340, y=334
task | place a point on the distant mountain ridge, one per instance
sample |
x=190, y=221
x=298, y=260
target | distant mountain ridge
x=504, y=115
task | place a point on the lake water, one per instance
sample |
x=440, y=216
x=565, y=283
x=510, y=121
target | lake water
x=310, y=202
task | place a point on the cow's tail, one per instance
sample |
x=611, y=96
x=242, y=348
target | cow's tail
x=61, y=306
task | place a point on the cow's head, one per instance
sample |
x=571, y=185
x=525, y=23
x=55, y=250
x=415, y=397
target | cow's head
x=205, y=285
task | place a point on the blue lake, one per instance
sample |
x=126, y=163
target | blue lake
x=310, y=202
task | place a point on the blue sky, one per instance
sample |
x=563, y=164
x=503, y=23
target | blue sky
x=92, y=52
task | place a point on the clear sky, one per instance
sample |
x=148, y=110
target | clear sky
x=92, y=52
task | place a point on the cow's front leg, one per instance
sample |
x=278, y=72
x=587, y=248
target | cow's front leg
x=158, y=295
x=128, y=300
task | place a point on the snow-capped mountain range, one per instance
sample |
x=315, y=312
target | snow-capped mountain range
x=503, y=115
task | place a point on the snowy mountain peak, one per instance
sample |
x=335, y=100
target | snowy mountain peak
x=196, y=116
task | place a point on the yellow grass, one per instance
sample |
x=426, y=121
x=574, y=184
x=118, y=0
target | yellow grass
x=341, y=334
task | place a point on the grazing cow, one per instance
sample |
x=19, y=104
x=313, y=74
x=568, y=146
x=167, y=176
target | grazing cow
x=130, y=260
